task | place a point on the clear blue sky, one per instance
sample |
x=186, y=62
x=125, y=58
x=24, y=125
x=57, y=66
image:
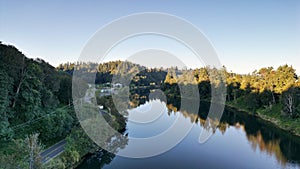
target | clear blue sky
x=246, y=34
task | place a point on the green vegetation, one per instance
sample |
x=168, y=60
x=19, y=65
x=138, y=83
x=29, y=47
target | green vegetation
x=37, y=98
x=267, y=92
x=27, y=154
x=274, y=114
x=141, y=76
x=80, y=145
x=273, y=95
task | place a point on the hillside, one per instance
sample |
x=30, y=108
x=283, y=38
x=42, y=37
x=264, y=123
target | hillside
x=34, y=98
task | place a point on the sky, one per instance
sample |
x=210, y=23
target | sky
x=246, y=35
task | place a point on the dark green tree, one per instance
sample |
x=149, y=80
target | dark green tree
x=6, y=132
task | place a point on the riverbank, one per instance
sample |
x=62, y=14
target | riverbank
x=79, y=144
x=272, y=115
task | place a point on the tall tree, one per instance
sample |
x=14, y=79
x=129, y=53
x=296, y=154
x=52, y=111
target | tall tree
x=34, y=148
x=291, y=102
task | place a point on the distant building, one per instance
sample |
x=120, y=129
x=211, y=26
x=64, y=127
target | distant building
x=107, y=90
x=117, y=85
x=152, y=83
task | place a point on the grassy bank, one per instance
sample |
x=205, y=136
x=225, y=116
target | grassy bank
x=272, y=114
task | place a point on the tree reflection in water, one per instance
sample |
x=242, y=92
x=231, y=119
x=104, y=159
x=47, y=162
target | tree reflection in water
x=260, y=134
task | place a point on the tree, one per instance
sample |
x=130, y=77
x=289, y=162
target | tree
x=78, y=145
x=266, y=98
x=268, y=80
x=204, y=90
x=285, y=78
x=55, y=163
x=171, y=77
x=252, y=102
x=187, y=77
x=5, y=87
x=28, y=152
x=34, y=148
x=21, y=78
x=201, y=74
x=65, y=90
x=291, y=102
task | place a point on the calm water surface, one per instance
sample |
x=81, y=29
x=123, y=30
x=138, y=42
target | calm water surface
x=239, y=141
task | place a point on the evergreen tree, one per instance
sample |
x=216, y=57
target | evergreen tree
x=5, y=87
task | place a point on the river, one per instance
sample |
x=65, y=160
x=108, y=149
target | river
x=238, y=141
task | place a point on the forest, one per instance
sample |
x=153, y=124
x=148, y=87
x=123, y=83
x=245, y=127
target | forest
x=36, y=103
x=36, y=100
x=263, y=88
x=272, y=94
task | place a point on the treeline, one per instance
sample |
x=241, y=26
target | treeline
x=267, y=87
x=116, y=70
x=34, y=98
x=262, y=89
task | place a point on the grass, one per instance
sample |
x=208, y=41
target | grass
x=272, y=115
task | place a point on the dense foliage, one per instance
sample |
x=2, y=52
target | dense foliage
x=263, y=88
x=105, y=72
x=273, y=94
x=34, y=98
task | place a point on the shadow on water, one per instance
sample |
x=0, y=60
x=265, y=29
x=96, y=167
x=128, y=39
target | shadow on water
x=261, y=135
